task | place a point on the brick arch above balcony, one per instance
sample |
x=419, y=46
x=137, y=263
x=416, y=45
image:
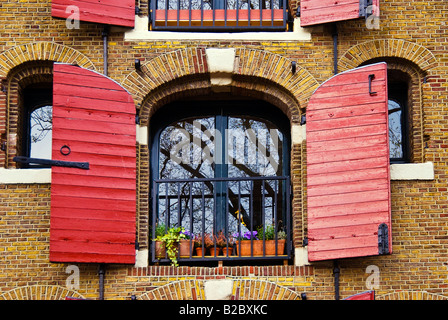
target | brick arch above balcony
x=199, y=71
x=41, y=50
x=226, y=289
x=381, y=48
x=40, y=292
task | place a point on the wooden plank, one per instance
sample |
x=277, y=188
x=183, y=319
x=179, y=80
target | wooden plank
x=56, y=256
x=93, y=93
x=94, y=204
x=93, y=226
x=95, y=181
x=348, y=179
x=104, y=213
x=353, y=208
x=113, y=12
x=99, y=137
x=342, y=223
x=91, y=104
x=347, y=176
x=347, y=187
x=324, y=11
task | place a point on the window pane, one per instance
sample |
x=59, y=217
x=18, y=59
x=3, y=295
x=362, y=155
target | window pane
x=395, y=130
x=254, y=148
x=41, y=132
x=187, y=149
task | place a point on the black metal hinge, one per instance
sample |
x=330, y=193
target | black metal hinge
x=52, y=163
x=383, y=239
x=363, y=8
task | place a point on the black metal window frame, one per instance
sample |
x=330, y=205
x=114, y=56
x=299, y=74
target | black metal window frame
x=167, y=115
x=34, y=97
x=266, y=22
x=398, y=95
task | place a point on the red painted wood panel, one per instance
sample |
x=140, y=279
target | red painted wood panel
x=314, y=12
x=367, y=295
x=111, y=12
x=92, y=211
x=348, y=179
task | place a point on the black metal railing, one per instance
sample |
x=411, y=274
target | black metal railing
x=223, y=218
x=219, y=15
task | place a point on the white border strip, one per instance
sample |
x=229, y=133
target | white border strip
x=402, y=171
x=412, y=171
x=24, y=176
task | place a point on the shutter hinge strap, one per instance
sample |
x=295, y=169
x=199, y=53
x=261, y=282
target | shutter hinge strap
x=52, y=163
x=383, y=239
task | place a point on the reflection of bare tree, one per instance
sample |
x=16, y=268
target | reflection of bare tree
x=186, y=141
x=395, y=130
x=40, y=123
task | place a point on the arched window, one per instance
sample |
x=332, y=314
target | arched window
x=221, y=167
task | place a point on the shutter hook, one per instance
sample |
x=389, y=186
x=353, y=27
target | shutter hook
x=371, y=77
x=65, y=150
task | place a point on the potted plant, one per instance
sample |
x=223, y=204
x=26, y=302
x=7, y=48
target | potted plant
x=160, y=250
x=167, y=242
x=268, y=234
x=185, y=244
x=198, y=245
x=225, y=243
x=248, y=242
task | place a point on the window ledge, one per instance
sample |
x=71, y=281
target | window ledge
x=24, y=176
x=412, y=171
x=142, y=33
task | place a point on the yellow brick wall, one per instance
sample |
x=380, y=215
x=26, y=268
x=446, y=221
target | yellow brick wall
x=412, y=33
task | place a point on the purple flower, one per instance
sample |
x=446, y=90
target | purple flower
x=248, y=235
x=187, y=234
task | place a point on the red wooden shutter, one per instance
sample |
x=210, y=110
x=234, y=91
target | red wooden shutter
x=92, y=211
x=111, y=12
x=348, y=179
x=367, y=295
x=314, y=12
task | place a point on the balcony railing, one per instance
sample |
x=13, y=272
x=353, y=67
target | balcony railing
x=236, y=218
x=219, y=15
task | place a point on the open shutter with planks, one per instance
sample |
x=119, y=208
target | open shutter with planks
x=313, y=12
x=92, y=211
x=109, y=12
x=348, y=178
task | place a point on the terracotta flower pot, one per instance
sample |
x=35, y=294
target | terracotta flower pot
x=215, y=251
x=160, y=249
x=184, y=248
x=246, y=247
x=225, y=250
x=270, y=247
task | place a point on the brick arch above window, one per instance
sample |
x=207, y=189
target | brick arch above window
x=41, y=50
x=190, y=71
x=360, y=53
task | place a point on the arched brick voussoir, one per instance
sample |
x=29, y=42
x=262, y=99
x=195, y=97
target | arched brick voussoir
x=382, y=48
x=41, y=50
x=278, y=69
x=190, y=66
x=164, y=69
